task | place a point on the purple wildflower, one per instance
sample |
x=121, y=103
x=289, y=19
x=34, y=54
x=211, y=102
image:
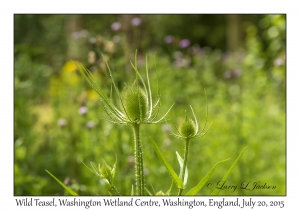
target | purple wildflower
x=90, y=124
x=93, y=40
x=278, y=62
x=82, y=110
x=67, y=180
x=184, y=43
x=62, y=122
x=76, y=35
x=136, y=21
x=169, y=39
x=116, y=26
x=165, y=128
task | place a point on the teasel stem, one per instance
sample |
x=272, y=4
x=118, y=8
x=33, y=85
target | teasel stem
x=186, y=152
x=138, y=153
x=115, y=189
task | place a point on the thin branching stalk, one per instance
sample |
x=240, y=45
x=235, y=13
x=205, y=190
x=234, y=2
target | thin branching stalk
x=186, y=152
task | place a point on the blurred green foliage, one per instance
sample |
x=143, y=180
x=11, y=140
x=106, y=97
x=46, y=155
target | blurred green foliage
x=58, y=121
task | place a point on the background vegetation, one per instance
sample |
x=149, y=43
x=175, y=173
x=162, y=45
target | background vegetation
x=238, y=59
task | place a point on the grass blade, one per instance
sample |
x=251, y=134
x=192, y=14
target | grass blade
x=62, y=184
x=168, y=166
x=204, y=180
x=148, y=192
x=217, y=191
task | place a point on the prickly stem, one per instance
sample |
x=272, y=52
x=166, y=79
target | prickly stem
x=139, y=174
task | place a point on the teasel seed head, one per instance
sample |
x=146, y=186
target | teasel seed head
x=187, y=128
x=135, y=103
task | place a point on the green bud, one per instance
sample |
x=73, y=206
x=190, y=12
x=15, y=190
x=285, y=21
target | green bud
x=106, y=171
x=135, y=103
x=187, y=128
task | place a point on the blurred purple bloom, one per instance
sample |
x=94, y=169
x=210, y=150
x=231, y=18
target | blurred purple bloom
x=93, y=40
x=90, y=124
x=67, y=180
x=62, y=122
x=130, y=159
x=184, y=43
x=165, y=128
x=82, y=110
x=116, y=26
x=278, y=62
x=75, y=35
x=169, y=39
x=136, y=21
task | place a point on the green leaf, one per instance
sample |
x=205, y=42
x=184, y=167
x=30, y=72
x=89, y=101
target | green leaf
x=204, y=180
x=62, y=184
x=217, y=191
x=168, y=166
x=186, y=175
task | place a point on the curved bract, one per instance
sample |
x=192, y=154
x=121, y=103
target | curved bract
x=137, y=106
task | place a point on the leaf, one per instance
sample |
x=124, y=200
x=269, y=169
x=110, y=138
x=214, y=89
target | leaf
x=217, y=190
x=168, y=166
x=62, y=184
x=204, y=180
x=186, y=175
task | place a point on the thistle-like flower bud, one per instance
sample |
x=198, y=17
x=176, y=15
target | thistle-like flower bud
x=135, y=103
x=187, y=128
x=105, y=171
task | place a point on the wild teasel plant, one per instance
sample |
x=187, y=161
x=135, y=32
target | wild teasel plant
x=188, y=130
x=136, y=108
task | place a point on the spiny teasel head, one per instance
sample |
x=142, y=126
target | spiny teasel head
x=135, y=103
x=136, y=107
x=189, y=129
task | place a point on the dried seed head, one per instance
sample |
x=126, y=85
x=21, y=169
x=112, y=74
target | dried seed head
x=187, y=128
x=135, y=103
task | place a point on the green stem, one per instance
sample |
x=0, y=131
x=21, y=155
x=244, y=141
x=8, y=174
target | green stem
x=186, y=152
x=115, y=189
x=138, y=154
